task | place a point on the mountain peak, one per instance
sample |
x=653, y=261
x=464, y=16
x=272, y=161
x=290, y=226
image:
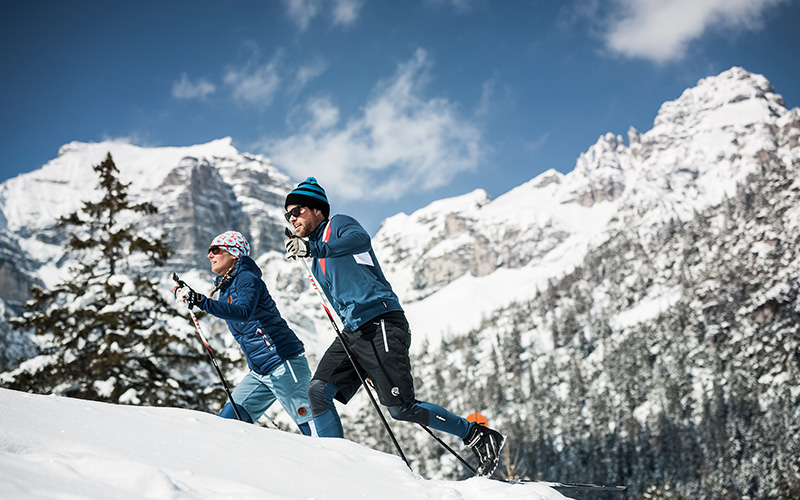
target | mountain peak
x=223, y=147
x=735, y=97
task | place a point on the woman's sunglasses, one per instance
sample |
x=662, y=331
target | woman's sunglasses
x=216, y=250
x=295, y=212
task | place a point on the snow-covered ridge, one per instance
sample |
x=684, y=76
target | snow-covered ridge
x=734, y=97
x=199, y=190
x=451, y=253
x=33, y=200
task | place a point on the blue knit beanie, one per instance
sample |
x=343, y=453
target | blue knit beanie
x=309, y=194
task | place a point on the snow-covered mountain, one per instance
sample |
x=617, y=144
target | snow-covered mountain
x=670, y=332
x=629, y=308
x=471, y=255
x=200, y=191
x=468, y=255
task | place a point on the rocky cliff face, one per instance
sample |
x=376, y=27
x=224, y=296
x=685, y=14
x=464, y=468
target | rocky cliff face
x=202, y=198
x=701, y=146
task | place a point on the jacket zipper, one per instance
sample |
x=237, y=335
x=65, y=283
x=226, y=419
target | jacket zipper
x=385, y=341
x=266, y=340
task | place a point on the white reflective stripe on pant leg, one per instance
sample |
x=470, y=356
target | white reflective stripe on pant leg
x=385, y=341
x=289, y=366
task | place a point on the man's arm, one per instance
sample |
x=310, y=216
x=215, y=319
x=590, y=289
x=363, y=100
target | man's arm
x=347, y=238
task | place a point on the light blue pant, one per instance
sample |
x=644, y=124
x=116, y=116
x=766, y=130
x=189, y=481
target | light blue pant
x=287, y=383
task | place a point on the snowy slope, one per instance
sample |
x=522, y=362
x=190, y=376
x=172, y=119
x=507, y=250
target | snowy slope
x=100, y=451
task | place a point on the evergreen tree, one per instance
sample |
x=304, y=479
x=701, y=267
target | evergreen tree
x=103, y=332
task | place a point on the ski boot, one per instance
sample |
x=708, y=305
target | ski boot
x=486, y=443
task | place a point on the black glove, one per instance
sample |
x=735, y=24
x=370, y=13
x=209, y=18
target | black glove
x=188, y=296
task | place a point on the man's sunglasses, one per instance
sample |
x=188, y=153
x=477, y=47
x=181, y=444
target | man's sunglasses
x=216, y=250
x=295, y=212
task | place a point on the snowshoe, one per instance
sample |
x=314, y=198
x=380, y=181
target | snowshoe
x=486, y=443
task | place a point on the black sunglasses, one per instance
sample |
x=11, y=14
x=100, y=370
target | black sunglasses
x=295, y=212
x=216, y=250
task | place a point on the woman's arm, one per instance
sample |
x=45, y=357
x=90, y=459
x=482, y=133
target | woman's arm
x=243, y=306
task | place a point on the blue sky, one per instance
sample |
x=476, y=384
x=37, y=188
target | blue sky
x=390, y=104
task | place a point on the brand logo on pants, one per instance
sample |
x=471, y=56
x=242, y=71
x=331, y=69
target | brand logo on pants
x=301, y=411
x=395, y=391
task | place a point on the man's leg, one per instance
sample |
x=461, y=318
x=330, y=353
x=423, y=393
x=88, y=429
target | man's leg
x=431, y=415
x=335, y=378
x=326, y=419
x=382, y=347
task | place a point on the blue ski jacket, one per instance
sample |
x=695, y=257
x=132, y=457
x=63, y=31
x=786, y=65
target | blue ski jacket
x=348, y=272
x=253, y=318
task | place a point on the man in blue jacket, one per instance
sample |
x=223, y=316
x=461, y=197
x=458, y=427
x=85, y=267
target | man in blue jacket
x=376, y=331
x=278, y=368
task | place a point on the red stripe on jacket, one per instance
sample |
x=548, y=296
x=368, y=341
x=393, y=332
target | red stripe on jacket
x=325, y=239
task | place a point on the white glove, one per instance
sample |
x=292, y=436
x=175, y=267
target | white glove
x=185, y=295
x=296, y=247
x=180, y=294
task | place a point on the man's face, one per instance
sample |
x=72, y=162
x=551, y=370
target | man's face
x=306, y=221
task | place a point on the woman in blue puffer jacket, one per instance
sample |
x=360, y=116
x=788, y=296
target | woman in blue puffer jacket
x=278, y=367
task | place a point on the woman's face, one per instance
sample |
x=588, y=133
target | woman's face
x=221, y=261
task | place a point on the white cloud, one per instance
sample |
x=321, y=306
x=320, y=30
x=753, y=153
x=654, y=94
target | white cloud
x=536, y=144
x=323, y=115
x=485, y=104
x=343, y=12
x=185, y=89
x=459, y=6
x=308, y=72
x=302, y=11
x=661, y=30
x=401, y=142
x=255, y=83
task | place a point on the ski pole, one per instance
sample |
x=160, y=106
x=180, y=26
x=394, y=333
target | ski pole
x=352, y=361
x=209, y=351
x=451, y=450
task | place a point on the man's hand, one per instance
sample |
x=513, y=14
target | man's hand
x=296, y=247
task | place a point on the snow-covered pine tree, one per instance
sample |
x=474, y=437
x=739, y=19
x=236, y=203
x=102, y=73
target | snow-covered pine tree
x=103, y=332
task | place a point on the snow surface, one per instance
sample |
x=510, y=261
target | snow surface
x=61, y=448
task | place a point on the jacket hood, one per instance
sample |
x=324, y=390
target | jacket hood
x=246, y=264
